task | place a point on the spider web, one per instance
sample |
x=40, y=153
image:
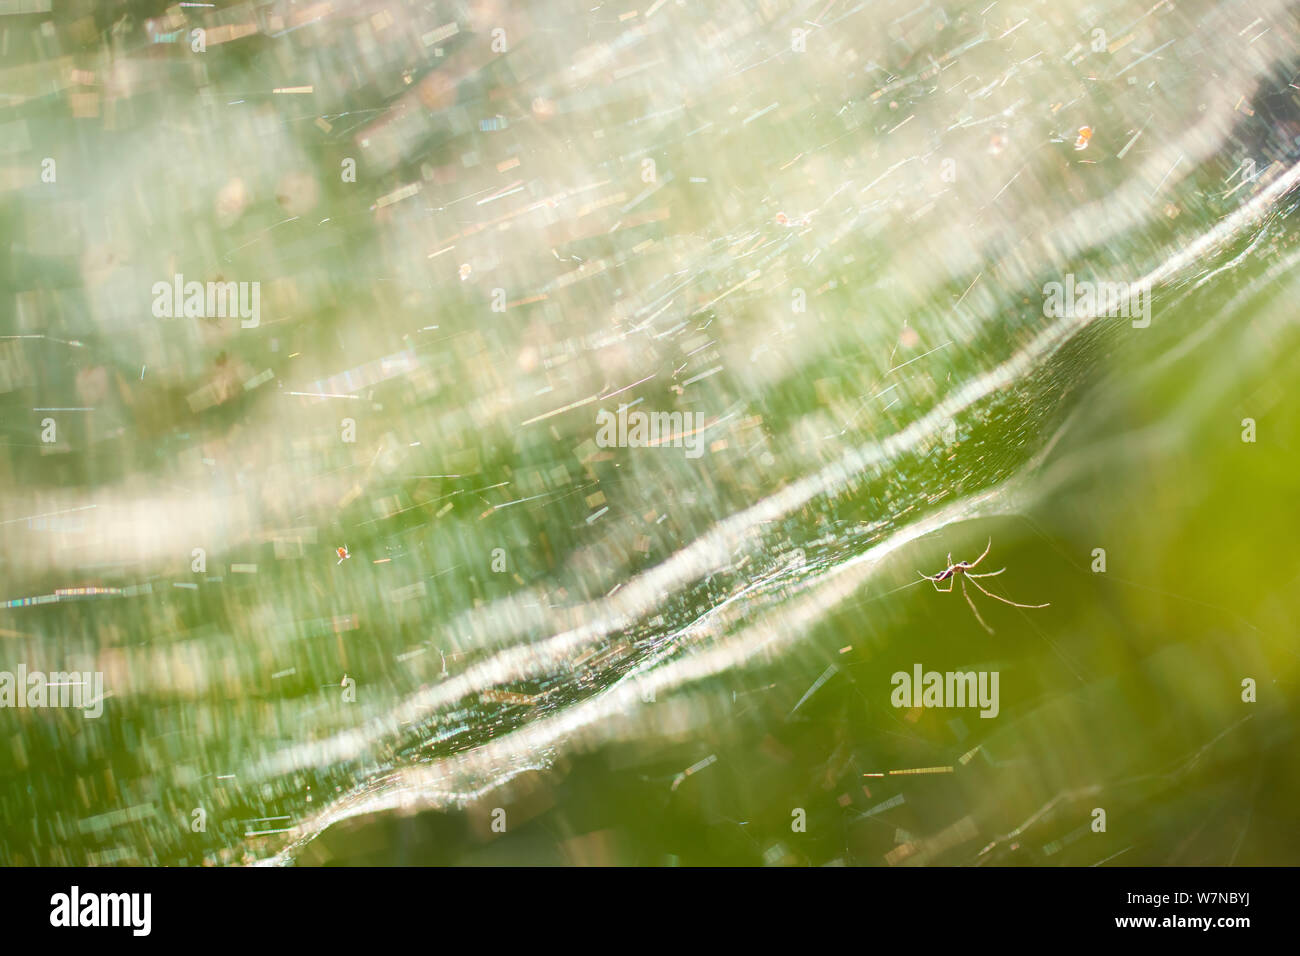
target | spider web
x=860, y=325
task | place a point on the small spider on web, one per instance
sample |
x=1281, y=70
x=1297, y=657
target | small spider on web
x=963, y=570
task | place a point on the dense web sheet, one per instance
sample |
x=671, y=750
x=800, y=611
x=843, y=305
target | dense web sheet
x=824, y=230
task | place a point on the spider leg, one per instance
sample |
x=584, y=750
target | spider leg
x=987, y=574
x=987, y=548
x=998, y=597
x=973, y=608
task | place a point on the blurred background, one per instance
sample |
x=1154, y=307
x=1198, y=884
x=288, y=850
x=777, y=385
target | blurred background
x=823, y=227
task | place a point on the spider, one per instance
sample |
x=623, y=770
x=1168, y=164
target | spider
x=343, y=553
x=963, y=569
